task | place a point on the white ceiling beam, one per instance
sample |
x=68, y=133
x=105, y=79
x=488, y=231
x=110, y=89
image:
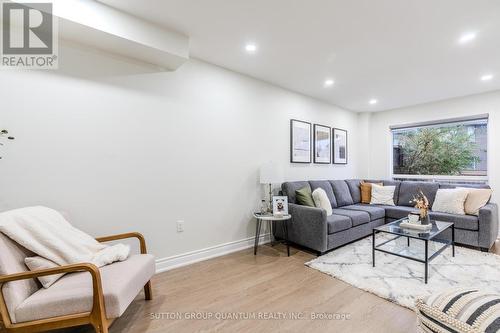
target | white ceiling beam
x=97, y=25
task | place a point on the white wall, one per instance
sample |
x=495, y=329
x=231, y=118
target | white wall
x=364, y=139
x=121, y=148
x=378, y=148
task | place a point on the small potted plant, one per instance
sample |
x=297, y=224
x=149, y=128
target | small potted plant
x=422, y=204
x=4, y=134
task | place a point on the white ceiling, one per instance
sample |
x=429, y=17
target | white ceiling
x=401, y=52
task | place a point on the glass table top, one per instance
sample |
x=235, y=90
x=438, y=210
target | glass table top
x=395, y=229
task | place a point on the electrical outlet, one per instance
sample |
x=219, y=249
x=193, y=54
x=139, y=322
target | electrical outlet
x=180, y=226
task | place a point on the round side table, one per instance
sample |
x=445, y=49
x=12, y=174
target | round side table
x=271, y=218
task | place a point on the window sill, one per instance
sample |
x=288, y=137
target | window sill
x=444, y=178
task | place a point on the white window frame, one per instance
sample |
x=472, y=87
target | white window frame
x=436, y=178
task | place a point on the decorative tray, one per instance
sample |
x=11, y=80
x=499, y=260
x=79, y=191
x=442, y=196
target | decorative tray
x=421, y=227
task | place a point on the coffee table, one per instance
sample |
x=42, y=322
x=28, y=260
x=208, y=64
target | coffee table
x=435, y=235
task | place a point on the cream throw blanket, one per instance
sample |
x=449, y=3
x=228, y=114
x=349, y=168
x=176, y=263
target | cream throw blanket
x=47, y=233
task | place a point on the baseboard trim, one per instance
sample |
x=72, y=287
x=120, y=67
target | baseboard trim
x=184, y=259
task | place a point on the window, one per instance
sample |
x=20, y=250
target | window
x=453, y=148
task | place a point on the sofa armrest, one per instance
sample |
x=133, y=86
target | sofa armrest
x=488, y=225
x=308, y=227
x=98, y=308
x=139, y=236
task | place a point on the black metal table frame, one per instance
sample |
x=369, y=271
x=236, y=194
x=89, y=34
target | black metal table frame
x=427, y=258
x=271, y=224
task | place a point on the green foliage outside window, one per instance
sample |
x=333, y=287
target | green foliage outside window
x=447, y=150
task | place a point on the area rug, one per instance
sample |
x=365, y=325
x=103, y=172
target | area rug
x=401, y=280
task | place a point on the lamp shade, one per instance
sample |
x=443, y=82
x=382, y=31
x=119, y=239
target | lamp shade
x=270, y=173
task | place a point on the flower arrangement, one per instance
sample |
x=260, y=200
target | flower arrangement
x=5, y=134
x=421, y=203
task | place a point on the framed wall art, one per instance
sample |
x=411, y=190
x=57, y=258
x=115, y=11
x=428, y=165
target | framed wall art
x=300, y=141
x=322, y=144
x=339, y=137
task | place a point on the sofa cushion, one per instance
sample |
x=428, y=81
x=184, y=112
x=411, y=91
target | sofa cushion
x=338, y=223
x=121, y=282
x=450, y=201
x=398, y=212
x=342, y=193
x=289, y=188
x=477, y=198
x=395, y=183
x=12, y=261
x=409, y=189
x=366, y=191
x=355, y=188
x=382, y=195
x=303, y=196
x=325, y=185
x=467, y=222
x=459, y=310
x=321, y=200
x=445, y=185
x=357, y=217
x=376, y=212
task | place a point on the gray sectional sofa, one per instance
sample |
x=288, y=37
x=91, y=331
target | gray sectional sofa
x=352, y=220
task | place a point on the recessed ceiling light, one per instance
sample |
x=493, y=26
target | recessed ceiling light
x=329, y=82
x=468, y=37
x=251, y=48
x=486, y=77
x=373, y=101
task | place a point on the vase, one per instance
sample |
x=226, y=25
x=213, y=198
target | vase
x=264, y=208
x=425, y=219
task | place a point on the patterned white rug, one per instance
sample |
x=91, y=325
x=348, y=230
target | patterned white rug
x=401, y=280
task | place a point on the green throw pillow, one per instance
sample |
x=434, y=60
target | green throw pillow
x=304, y=197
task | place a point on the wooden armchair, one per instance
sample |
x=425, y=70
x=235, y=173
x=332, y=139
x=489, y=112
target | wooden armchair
x=19, y=289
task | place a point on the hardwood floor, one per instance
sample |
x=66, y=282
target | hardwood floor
x=269, y=283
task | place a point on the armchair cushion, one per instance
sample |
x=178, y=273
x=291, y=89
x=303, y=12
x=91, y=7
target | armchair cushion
x=38, y=263
x=12, y=261
x=121, y=282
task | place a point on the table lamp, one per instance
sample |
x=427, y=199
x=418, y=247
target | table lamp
x=270, y=174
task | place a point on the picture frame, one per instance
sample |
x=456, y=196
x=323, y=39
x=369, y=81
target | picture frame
x=280, y=204
x=322, y=144
x=300, y=141
x=340, y=147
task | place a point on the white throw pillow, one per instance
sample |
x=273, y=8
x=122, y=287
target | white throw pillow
x=321, y=200
x=477, y=199
x=38, y=263
x=382, y=195
x=450, y=201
